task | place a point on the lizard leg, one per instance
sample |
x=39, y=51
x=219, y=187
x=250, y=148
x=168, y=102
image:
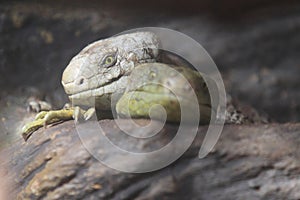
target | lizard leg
x=49, y=117
x=41, y=115
x=46, y=117
x=30, y=127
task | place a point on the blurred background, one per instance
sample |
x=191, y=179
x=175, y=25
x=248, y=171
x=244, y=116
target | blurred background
x=255, y=44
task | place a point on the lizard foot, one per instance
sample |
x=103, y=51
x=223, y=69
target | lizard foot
x=35, y=105
x=49, y=117
x=46, y=117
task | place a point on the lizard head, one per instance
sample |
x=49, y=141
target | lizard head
x=103, y=66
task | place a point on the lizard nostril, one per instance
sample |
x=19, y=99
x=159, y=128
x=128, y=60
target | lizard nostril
x=80, y=81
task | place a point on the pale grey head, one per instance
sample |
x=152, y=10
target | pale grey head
x=102, y=67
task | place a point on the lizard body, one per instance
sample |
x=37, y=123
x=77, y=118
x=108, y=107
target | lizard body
x=126, y=65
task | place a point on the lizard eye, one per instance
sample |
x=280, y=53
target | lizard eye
x=109, y=60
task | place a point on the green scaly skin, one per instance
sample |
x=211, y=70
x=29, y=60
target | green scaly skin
x=154, y=83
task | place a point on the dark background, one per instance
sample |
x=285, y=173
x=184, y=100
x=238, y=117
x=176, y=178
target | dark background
x=255, y=44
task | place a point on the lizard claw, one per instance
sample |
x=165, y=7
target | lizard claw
x=29, y=128
x=80, y=113
x=35, y=105
x=89, y=113
x=76, y=114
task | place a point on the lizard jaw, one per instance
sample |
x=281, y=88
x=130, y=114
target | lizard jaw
x=88, y=97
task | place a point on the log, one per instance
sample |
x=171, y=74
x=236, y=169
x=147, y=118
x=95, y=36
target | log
x=248, y=162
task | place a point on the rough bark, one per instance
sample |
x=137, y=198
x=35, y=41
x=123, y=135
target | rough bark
x=248, y=162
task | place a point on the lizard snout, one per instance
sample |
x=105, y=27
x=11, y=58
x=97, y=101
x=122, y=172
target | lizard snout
x=77, y=75
x=71, y=78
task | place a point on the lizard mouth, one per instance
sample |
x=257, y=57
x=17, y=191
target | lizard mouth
x=117, y=84
x=86, y=87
